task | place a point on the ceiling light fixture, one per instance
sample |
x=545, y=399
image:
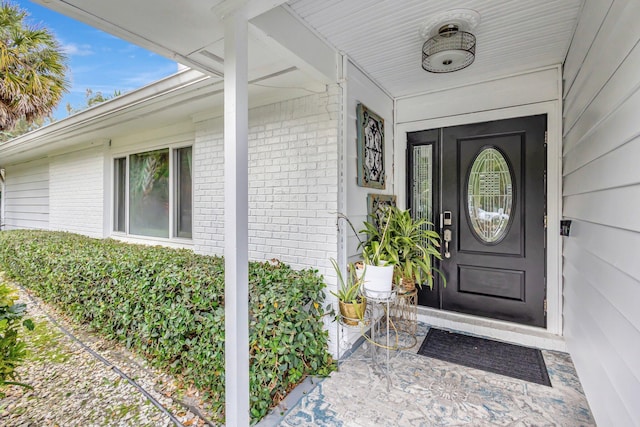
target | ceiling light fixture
x=450, y=45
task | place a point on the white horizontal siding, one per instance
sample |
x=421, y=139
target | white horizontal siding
x=76, y=192
x=617, y=129
x=592, y=16
x=615, y=39
x=26, y=196
x=584, y=350
x=616, y=94
x=604, y=330
x=616, y=207
x=605, y=289
x=27, y=178
x=601, y=189
x=30, y=191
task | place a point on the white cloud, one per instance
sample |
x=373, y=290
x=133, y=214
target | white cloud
x=73, y=49
x=144, y=78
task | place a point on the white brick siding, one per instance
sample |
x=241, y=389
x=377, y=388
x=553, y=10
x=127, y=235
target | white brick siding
x=293, y=182
x=76, y=192
x=208, y=188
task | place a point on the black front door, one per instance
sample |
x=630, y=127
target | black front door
x=488, y=182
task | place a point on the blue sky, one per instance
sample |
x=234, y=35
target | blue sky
x=97, y=60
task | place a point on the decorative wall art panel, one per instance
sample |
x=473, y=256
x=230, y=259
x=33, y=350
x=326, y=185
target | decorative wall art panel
x=370, y=126
x=376, y=204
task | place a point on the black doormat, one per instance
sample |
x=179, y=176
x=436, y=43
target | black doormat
x=515, y=361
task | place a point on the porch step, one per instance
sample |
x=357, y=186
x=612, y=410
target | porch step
x=495, y=329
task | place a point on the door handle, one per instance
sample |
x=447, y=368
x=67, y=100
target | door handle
x=447, y=239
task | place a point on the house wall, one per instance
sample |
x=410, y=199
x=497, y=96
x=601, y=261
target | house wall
x=76, y=192
x=26, y=196
x=293, y=186
x=361, y=89
x=602, y=197
x=357, y=88
x=293, y=181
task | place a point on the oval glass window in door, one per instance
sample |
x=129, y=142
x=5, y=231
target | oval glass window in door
x=489, y=195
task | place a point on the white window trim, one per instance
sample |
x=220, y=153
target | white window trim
x=174, y=193
x=172, y=240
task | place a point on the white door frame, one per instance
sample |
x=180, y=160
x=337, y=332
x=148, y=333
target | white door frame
x=554, y=212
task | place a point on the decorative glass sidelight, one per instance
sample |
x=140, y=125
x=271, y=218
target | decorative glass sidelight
x=422, y=191
x=490, y=195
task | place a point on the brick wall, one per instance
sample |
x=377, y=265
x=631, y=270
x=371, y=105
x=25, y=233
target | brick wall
x=76, y=185
x=293, y=182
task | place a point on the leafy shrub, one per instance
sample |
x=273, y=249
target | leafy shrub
x=168, y=304
x=12, y=348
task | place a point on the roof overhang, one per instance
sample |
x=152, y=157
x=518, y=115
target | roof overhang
x=286, y=60
x=189, y=95
x=191, y=32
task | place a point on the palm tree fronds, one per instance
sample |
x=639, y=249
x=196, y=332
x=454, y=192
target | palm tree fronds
x=32, y=69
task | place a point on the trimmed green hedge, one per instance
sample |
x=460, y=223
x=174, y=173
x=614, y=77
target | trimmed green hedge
x=12, y=346
x=168, y=304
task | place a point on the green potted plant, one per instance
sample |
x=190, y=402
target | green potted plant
x=350, y=299
x=377, y=274
x=413, y=244
x=409, y=245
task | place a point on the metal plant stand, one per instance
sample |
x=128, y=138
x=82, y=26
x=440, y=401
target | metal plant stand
x=380, y=333
x=383, y=325
x=349, y=323
x=404, y=315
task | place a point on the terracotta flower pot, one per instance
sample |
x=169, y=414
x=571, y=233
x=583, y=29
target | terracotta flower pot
x=352, y=313
x=408, y=284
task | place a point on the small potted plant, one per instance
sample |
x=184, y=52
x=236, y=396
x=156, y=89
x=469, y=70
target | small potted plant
x=407, y=244
x=351, y=301
x=378, y=277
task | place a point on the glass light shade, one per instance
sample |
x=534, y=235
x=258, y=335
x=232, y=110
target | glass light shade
x=448, y=51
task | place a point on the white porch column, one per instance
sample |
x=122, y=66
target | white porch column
x=2, y=197
x=236, y=218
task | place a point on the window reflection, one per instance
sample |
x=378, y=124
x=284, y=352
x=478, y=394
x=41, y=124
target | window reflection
x=149, y=193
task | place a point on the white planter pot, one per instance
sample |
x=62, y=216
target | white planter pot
x=377, y=280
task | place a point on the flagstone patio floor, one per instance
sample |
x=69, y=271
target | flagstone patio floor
x=430, y=392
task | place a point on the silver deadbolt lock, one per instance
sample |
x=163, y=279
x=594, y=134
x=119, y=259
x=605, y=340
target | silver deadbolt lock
x=447, y=239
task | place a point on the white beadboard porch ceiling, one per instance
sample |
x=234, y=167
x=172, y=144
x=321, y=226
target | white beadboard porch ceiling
x=382, y=37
